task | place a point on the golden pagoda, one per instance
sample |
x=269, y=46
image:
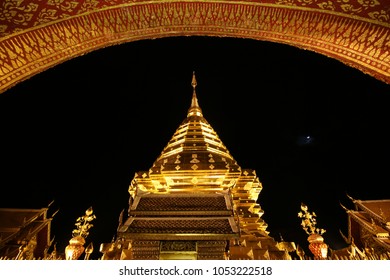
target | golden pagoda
x=195, y=202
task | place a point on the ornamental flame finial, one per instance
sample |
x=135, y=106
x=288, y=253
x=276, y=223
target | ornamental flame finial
x=193, y=82
x=309, y=221
x=194, y=109
x=76, y=244
x=83, y=224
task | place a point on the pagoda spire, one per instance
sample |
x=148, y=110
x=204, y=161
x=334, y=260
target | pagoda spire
x=194, y=109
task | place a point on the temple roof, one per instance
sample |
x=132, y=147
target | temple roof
x=371, y=222
x=20, y=225
x=380, y=209
x=194, y=147
x=195, y=189
x=16, y=218
x=368, y=223
x=182, y=205
x=13, y=221
x=184, y=228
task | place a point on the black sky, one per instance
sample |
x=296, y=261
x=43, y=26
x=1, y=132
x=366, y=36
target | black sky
x=78, y=132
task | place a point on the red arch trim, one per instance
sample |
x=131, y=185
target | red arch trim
x=357, y=42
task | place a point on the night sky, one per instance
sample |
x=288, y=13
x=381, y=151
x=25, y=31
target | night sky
x=313, y=128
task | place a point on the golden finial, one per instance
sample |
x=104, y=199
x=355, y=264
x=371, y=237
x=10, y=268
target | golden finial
x=345, y=208
x=194, y=109
x=193, y=82
x=309, y=221
x=50, y=203
x=350, y=197
x=88, y=251
x=76, y=243
x=83, y=223
x=55, y=213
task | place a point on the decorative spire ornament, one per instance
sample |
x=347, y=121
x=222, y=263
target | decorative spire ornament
x=193, y=82
x=76, y=244
x=309, y=224
x=194, y=109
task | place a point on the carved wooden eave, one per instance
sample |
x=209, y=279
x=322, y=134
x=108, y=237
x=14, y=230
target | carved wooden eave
x=19, y=226
x=384, y=243
x=37, y=35
x=33, y=219
x=377, y=209
x=368, y=225
x=364, y=220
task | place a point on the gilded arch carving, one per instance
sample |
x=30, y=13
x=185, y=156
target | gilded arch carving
x=35, y=36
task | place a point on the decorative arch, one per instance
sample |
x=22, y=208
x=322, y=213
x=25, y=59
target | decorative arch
x=37, y=36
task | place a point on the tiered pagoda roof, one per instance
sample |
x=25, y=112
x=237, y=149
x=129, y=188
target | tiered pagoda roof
x=195, y=190
x=195, y=158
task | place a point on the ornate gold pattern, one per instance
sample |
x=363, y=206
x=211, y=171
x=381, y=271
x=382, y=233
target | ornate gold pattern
x=354, y=32
x=309, y=224
x=218, y=205
x=188, y=226
x=212, y=250
x=17, y=15
x=143, y=243
x=309, y=221
x=178, y=246
x=76, y=244
x=191, y=203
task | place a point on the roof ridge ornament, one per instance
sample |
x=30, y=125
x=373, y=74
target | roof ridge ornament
x=194, y=109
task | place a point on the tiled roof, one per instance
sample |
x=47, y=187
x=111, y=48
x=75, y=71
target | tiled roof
x=376, y=208
x=195, y=145
x=365, y=221
x=17, y=225
x=15, y=218
x=181, y=226
x=13, y=221
x=172, y=203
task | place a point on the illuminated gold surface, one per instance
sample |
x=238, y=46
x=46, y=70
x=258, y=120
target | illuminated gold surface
x=316, y=242
x=205, y=213
x=195, y=192
x=36, y=37
x=76, y=244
